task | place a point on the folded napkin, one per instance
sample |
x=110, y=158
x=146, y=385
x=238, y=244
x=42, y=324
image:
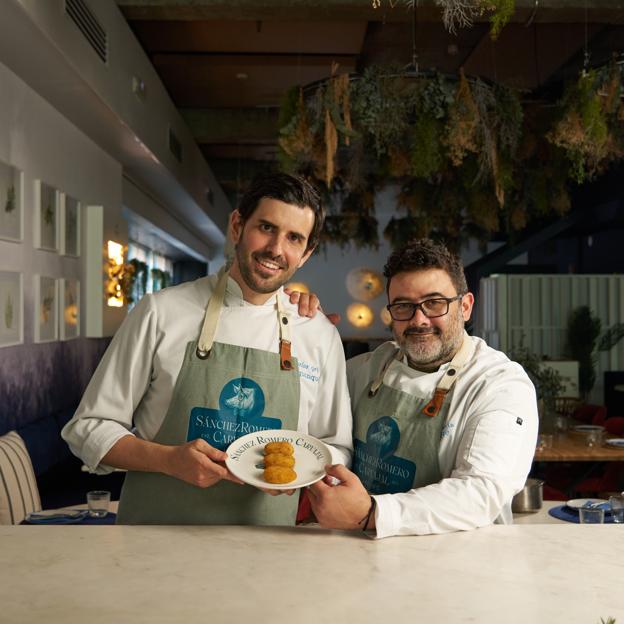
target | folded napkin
x=53, y=516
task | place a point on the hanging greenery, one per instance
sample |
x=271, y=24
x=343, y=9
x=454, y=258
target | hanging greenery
x=462, y=13
x=589, y=129
x=466, y=147
x=353, y=136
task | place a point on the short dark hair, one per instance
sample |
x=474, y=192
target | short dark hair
x=423, y=254
x=290, y=189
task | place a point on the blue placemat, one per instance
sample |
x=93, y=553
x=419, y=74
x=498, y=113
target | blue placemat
x=109, y=518
x=563, y=512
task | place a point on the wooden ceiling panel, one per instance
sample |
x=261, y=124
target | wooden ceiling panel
x=206, y=81
x=252, y=37
x=435, y=47
x=526, y=57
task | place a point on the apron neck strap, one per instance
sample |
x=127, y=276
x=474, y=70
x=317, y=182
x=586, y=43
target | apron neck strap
x=450, y=376
x=211, y=322
x=211, y=318
x=397, y=354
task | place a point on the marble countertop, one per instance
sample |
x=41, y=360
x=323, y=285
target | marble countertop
x=529, y=573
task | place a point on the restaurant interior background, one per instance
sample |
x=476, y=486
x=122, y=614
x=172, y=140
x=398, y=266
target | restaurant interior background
x=133, y=127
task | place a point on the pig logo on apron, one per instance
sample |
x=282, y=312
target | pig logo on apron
x=241, y=405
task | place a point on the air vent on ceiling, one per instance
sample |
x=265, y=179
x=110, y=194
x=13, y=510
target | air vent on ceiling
x=89, y=26
x=175, y=146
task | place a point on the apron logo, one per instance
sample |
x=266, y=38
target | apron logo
x=242, y=398
x=383, y=436
x=241, y=407
x=375, y=462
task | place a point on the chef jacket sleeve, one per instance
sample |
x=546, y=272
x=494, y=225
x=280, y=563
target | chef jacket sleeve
x=492, y=457
x=330, y=418
x=116, y=388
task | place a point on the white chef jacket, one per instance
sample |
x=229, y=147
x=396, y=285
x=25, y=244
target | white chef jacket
x=132, y=387
x=486, y=447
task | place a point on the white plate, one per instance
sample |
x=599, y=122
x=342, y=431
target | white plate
x=587, y=428
x=577, y=503
x=246, y=455
x=618, y=442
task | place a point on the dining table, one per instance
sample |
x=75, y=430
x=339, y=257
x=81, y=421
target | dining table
x=530, y=572
x=571, y=446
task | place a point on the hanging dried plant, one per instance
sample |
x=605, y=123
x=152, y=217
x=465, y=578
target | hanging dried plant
x=296, y=137
x=331, y=145
x=463, y=121
x=585, y=130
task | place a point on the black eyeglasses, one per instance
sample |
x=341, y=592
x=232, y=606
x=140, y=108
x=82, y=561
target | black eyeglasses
x=431, y=308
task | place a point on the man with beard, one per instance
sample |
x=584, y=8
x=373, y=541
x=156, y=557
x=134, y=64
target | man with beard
x=444, y=426
x=196, y=366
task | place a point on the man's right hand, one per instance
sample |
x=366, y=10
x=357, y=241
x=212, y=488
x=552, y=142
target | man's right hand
x=198, y=463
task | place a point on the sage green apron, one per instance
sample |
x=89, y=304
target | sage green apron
x=222, y=392
x=397, y=435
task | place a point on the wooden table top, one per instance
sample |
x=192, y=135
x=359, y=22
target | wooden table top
x=572, y=447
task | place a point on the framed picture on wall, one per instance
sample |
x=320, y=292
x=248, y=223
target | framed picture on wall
x=70, y=226
x=46, y=216
x=11, y=200
x=11, y=309
x=69, y=311
x=46, y=309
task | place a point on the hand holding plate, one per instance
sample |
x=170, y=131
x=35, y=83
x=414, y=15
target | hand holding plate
x=198, y=463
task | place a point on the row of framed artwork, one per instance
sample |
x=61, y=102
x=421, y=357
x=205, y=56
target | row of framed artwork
x=56, y=308
x=56, y=214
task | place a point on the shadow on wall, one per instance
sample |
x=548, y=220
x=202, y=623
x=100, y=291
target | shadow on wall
x=41, y=379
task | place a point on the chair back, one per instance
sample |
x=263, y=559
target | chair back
x=565, y=406
x=19, y=494
x=590, y=414
x=615, y=425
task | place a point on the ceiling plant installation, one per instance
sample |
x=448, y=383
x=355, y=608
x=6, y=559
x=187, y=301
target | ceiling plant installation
x=470, y=157
x=463, y=13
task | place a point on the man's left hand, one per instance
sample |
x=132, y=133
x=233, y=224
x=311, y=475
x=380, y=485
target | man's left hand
x=342, y=506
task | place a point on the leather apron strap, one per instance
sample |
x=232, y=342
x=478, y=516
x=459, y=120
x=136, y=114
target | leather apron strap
x=211, y=322
x=450, y=377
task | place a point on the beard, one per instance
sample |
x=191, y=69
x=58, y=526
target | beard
x=255, y=278
x=430, y=347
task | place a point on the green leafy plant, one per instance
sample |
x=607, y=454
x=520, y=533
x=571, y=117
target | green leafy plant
x=584, y=339
x=547, y=381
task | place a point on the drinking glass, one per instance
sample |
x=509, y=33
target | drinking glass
x=594, y=438
x=591, y=515
x=617, y=508
x=544, y=441
x=98, y=502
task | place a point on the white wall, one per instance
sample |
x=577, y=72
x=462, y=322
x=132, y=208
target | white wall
x=35, y=138
x=41, y=44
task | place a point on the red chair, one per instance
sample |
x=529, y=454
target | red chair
x=615, y=425
x=612, y=480
x=591, y=414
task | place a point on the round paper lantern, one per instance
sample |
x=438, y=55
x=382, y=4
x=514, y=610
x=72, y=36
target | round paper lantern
x=385, y=317
x=364, y=284
x=359, y=315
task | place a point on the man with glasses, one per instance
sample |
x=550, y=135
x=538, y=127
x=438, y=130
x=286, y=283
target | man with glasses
x=444, y=426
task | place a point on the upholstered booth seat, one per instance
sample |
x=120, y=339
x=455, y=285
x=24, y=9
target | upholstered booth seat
x=19, y=494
